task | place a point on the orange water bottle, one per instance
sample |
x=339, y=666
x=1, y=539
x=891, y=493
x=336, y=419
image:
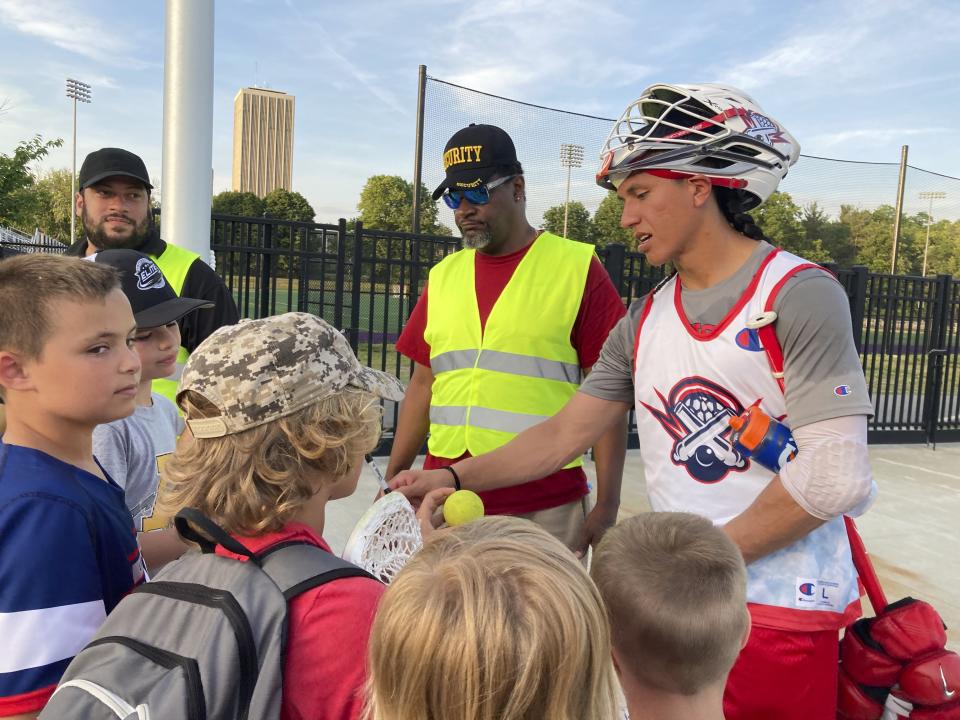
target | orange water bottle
x=758, y=436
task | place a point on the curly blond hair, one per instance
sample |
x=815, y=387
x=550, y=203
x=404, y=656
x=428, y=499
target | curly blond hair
x=492, y=620
x=254, y=482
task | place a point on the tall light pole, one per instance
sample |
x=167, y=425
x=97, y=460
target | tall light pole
x=571, y=156
x=78, y=92
x=931, y=196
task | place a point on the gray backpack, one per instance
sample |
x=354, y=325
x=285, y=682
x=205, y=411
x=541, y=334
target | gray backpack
x=205, y=640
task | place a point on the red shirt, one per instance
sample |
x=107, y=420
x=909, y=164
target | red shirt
x=600, y=309
x=328, y=626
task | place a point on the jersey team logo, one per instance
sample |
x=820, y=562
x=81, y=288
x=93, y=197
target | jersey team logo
x=695, y=414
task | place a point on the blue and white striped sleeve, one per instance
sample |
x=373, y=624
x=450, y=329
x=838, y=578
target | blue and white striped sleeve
x=51, y=601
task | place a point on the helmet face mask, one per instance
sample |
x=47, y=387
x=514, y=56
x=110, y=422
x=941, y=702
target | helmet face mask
x=709, y=130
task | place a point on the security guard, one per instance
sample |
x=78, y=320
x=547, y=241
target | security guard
x=501, y=338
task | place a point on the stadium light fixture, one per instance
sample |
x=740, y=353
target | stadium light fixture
x=78, y=92
x=571, y=156
x=931, y=196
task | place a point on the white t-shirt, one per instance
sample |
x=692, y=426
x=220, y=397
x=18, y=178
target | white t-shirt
x=132, y=451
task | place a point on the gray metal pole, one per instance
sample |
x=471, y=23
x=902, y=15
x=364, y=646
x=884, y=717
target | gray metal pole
x=418, y=152
x=188, y=124
x=899, y=211
x=73, y=180
x=566, y=203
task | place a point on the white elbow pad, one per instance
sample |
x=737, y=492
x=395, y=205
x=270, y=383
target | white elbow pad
x=831, y=474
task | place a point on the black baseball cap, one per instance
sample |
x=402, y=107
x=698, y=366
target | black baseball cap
x=106, y=162
x=154, y=302
x=473, y=155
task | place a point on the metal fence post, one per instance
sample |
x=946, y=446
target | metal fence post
x=356, y=267
x=341, y=273
x=936, y=338
x=418, y=152
x=413, y=291
x=266, y=269
x=613, y=262
x=858, y=304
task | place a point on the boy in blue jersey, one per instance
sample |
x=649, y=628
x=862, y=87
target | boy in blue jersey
x=69, y=550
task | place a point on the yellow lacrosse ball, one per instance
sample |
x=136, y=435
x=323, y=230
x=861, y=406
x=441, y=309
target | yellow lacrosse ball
x=462, y=507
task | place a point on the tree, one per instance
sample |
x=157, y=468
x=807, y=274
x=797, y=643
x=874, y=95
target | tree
x=779, y=218
x=386, y=203
x=944, y=254
x=579, y=224
x=17, y=202
x=54, y=205
x=832, y=235
x=287, y=205
x=232, y=202
x=606, y=223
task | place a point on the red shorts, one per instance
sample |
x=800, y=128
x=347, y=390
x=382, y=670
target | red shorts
x=784, y=675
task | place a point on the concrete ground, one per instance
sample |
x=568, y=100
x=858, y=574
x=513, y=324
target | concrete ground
x=912, y=531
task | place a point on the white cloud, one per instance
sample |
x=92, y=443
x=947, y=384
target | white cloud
x=806, y=56
x=868, y=137
x=64, y=25
x=326, y=42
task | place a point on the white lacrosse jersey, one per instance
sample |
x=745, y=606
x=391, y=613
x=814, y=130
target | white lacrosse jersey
x=687, y=386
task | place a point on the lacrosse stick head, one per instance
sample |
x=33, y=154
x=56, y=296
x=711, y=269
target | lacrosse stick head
x=385, y=537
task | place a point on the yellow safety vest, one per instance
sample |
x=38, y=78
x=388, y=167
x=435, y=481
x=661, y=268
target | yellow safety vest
x=174, y=263
x=492, y=384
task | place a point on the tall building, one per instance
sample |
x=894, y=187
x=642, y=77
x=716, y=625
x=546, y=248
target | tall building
x=262, y=140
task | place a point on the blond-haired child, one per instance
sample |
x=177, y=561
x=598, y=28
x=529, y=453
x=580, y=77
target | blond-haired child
x=492, y=620
x=282, y=413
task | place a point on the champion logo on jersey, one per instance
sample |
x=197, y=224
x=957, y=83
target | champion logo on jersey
x=842, y=390
x=148, y=275
x=807, y=588
x=749, y=339
x=695, y=414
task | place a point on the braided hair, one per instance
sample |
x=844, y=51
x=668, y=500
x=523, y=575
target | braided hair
x=732, y=204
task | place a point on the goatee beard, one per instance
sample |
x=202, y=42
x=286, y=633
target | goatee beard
x=477, y=240
x=98, y=237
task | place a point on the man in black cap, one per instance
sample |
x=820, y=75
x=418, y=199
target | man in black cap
x=114, y=207
x=502, y=339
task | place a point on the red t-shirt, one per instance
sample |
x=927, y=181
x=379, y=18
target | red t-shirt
x=600, y=309
x=328, y=627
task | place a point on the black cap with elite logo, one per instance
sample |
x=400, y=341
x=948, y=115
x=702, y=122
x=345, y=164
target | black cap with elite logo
x=154, y=302
x=106, y=162
x=473, y=155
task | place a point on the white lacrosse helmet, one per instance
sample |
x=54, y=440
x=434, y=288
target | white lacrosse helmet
x=683, y=130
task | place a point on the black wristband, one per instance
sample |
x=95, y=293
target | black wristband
x=456, y=478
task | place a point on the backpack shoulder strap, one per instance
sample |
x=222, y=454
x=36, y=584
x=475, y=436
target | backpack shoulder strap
x=297, y=566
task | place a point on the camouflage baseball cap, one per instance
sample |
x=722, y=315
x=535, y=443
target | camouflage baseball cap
x=258, y=371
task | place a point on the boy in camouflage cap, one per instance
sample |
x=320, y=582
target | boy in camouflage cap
x=282, y=413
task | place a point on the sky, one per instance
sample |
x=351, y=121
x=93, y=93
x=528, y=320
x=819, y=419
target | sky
x=850, y=80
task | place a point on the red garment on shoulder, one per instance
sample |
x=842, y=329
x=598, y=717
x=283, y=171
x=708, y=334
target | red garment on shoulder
x=325, y=667
x=600, y=309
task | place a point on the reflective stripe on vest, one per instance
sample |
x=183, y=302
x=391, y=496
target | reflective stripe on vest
x=522, y=368
x=174, y=263
x=508, y=363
